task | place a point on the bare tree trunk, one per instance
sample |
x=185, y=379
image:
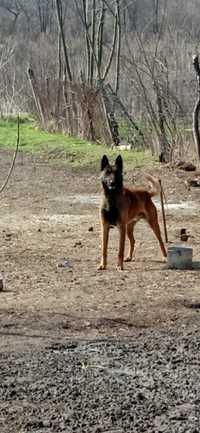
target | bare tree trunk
x=164, y=145
x=109, y=63
x=93, y=41
x=60, y=23
x=155, y=16
x=107, y=119
x=196, y=111
x=45, y=12
x=89, y=114
x=92, y=49
x=57, y=110
x=118, y=47
x=119, y=102
x=156, y=70
x=85, y=20
x=195, y=127
x=67, y=111
x=100, y=35
x=36, y=96
x=68, y=91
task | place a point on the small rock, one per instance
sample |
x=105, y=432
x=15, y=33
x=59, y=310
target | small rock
x=8, y=236
x=78, y=244
x=1, y=282
x=193, y=182
x=187, y=166
x=65, y=264
x=46, y=423
x=184, y=236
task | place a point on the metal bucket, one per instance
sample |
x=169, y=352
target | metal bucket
x=179, y=257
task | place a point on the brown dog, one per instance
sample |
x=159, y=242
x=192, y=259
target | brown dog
x=123, y=207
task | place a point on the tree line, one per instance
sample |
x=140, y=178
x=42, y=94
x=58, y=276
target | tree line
x=142, y=48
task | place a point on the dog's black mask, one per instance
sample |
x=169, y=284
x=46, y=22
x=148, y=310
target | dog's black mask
x=112, y=175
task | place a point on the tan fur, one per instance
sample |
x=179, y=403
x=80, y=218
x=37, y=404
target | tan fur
x=154, y=185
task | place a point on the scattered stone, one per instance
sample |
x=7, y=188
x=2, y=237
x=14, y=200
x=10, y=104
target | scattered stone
x=193, y=182
x=186, y=166
x=1, y=283
x=65, y=264
x=108, y=385
x=8, y=236
x=46, y=423
x=78, y=244
x=184, y=236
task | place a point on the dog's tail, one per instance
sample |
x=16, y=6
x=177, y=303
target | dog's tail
x=153, y=185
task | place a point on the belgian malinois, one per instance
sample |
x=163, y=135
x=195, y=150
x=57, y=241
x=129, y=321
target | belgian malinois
x=123, y=207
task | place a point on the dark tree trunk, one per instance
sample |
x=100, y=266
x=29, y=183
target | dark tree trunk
x=196, y=111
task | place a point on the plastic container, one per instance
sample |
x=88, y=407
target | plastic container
x=179, y=257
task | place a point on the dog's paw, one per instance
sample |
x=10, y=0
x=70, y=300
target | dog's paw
x=120, y=268
x=101, y=267
x=128, y=259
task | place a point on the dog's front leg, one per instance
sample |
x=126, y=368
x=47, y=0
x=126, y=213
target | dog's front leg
x=122, y=230
x=104, y=245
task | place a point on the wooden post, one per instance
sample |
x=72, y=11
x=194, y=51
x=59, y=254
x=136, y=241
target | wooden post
x=163, y=212
x=195, y=126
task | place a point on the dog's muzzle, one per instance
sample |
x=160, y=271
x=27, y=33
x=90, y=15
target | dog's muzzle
x=111, y=186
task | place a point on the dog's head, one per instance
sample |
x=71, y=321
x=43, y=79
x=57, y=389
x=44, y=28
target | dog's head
x=112, y=175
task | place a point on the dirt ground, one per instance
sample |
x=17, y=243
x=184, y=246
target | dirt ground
x=50, y=251
x=53, y=292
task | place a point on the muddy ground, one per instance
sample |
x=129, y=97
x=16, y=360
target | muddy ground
x=84, y=350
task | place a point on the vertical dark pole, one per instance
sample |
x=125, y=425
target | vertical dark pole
x=163, y=211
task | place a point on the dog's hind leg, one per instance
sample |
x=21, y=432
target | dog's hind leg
x=129, y=232
x=104, y=245
x=152, y=218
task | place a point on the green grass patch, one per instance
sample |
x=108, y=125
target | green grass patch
x=74, y=151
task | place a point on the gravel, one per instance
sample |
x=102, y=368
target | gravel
x=148, y=384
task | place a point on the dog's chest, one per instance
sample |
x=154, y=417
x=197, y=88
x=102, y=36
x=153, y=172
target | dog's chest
x=110, y=213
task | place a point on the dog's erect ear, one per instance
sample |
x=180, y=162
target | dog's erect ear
x=119, y=163
x=104, y=162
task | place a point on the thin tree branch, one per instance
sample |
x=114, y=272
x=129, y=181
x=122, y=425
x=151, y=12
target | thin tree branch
x=107, y=68
x=14, y=158
x=60, y=23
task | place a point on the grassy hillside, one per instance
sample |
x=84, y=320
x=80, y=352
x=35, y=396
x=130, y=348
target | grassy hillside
x=75, y=152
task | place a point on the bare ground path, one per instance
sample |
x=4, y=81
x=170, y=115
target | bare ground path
x=49, y=233
x=49, y=218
